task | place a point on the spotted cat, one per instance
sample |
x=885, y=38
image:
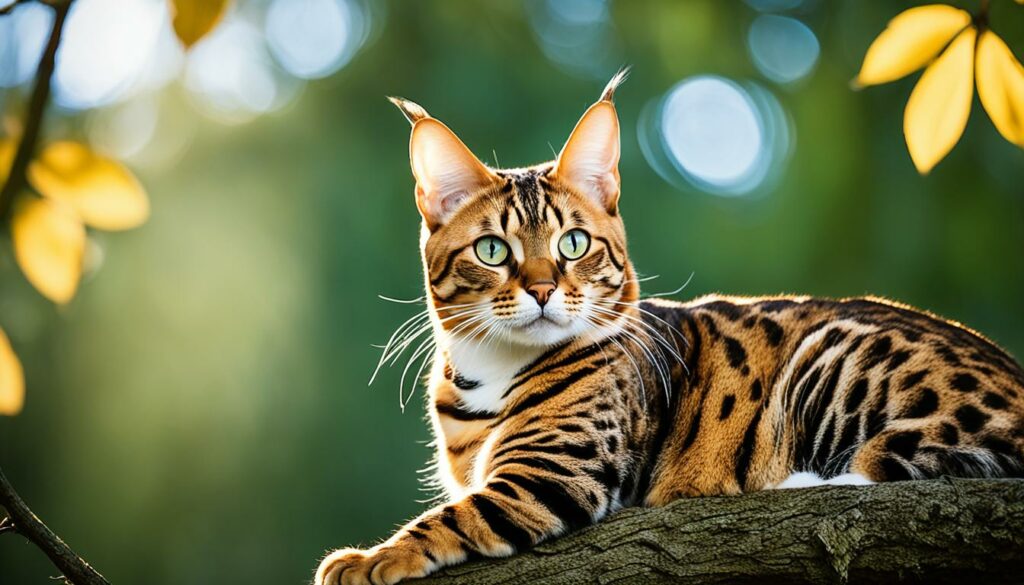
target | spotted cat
x=557, y=396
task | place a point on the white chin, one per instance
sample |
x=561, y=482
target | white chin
x=541, y=332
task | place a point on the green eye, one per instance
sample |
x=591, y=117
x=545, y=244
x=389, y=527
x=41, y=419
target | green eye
x=491, y=251
x=574, y=244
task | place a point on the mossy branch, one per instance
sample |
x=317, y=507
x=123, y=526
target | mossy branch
x=938, y=531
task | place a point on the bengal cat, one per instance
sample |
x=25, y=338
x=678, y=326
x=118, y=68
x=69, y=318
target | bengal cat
x=557, y=396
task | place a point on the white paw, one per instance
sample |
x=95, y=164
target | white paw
x=800, y=479
x=849, y=479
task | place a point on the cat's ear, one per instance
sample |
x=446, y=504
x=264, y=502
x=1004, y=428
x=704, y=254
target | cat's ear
x=589, y=161
x=447, y=173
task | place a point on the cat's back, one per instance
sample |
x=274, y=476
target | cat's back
x=862, y=385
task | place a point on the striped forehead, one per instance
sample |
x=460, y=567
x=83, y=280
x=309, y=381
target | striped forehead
x=527, y=199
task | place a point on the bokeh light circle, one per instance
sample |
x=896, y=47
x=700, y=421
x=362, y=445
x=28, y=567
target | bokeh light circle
x=22, y=38
x=314, y=38
x=716, y=135
x=105, y=48
x=783, y=49
x=231, y=76
x=577, y=35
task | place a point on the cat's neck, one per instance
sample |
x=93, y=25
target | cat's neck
x=481, y=371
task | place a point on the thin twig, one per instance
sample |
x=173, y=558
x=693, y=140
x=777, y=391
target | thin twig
x=34, y=117
x=10, y=7
x=74, y=567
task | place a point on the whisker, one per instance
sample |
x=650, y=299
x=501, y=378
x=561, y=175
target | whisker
x=415, y=301
x=674, y=292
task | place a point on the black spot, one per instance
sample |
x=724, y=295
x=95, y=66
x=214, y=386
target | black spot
x=735, y=352
x=612, y=442
x=749, y=322
x=893, y=470
x=897, y=359
x=755, y=391
x=904, y=444
x=948, y=355
x=856, y=395
x=948, y=434
x=970, y=418
x=927, y=403
x=729, y=310
x=913, y=379
x=727, y=404
x=877, y=352
x=911, y=335
x=964, y=382
x=994, y=401
x=776, y=306
x=745, y=370
x=772, y=331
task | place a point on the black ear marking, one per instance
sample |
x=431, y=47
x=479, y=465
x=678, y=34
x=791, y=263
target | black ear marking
x=411, y=110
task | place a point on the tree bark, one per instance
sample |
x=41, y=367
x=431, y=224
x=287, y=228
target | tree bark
x=938, y=531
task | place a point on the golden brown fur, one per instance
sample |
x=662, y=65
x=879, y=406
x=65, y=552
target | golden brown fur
x=558, y=397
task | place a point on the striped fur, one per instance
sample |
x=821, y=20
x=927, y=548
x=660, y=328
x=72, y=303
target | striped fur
x=544, y=426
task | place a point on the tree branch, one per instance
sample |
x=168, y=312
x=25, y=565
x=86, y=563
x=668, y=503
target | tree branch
x=939, y=531
x=24, y=522
x=16, y=180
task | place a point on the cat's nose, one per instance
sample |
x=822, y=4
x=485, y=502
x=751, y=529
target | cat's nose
x=541, y=291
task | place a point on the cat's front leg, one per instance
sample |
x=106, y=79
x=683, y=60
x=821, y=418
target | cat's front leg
x=520, y=506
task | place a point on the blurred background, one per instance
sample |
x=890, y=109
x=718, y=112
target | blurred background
x=200, y=412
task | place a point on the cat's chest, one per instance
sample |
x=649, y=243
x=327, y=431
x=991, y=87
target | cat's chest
x=478, y=383
x=482, y=375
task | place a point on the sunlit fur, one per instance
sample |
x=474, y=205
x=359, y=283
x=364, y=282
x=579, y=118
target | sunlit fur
x=549, y=416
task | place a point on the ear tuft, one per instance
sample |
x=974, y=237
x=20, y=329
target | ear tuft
x=412, y=111
x=608, y=94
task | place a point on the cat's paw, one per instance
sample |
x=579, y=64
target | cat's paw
x=385, y=565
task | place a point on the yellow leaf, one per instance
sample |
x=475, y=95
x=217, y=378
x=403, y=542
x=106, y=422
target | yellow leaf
x=48, y=245
x=910, y=42
x=1000, y=79
x=12, y=379
x=193, y=19
x=940, y=104
x=103, y=193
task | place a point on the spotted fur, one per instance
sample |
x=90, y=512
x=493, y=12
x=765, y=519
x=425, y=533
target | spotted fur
x=549, y=416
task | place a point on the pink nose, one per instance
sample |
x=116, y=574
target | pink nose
x=541, y=291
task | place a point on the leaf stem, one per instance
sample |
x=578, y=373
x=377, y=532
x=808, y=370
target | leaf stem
x=16, y=179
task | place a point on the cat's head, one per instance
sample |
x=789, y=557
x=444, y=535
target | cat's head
x=531, y=256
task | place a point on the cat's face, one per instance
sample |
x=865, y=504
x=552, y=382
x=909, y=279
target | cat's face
x=529, y=257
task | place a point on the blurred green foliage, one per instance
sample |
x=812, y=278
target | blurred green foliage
x=200, y=412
